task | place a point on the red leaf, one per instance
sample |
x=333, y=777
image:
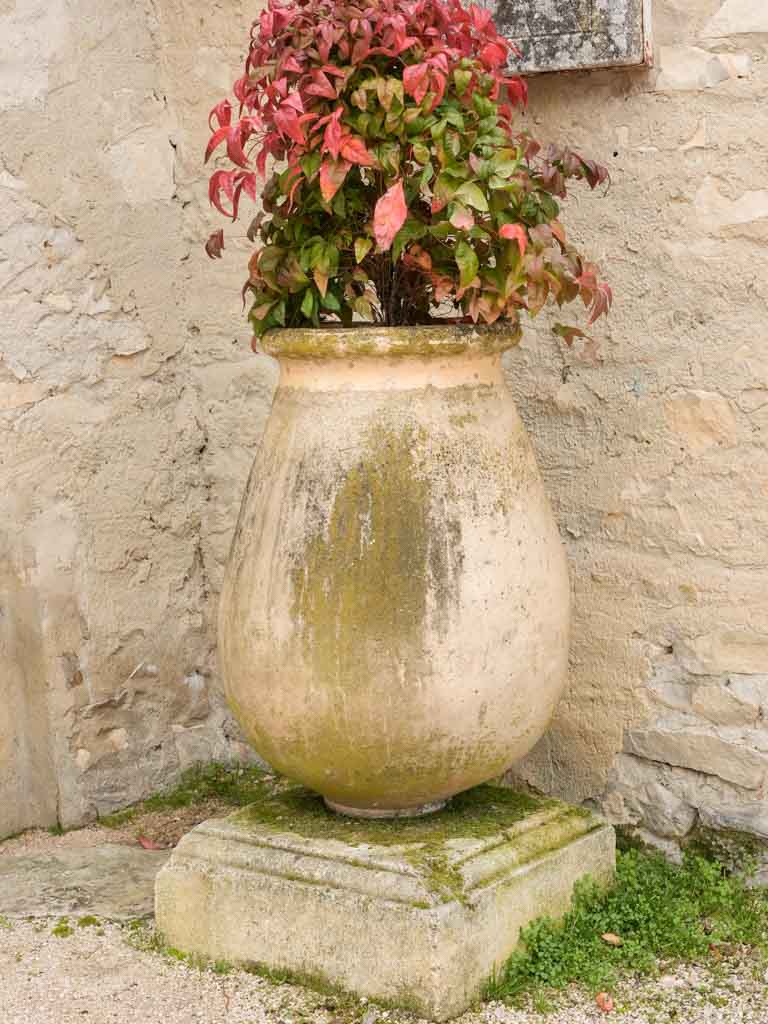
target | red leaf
x=235, y=146
x=416, y=81
x=287, y=122
x=150, y=844
x=216, y=139
x=604, y=1002
x=221, y=181
x=493, y=55
x=515, y=232
x=332, y=135
x=353, y=149
x=389, y=215
x=222, y=112
x=332, y=175
x=215, y=244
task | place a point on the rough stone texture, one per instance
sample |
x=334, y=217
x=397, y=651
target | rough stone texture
x=110, y=881
x=129, y=405
x=656, y=460
x=557, y=35
x=369, y=917
x=131, y=408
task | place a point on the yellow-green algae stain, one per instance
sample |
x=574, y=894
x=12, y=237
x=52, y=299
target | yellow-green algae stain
x=377, y=569
x=281, y=806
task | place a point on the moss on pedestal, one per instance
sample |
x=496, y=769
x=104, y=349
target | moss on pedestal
x=284, y=806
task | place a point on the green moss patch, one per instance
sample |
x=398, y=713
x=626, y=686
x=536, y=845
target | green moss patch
x=231, y=786
x=283, y=806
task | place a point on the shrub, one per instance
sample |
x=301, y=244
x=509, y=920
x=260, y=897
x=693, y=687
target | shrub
x=401, y=180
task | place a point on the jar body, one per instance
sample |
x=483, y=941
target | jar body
x=394, y=622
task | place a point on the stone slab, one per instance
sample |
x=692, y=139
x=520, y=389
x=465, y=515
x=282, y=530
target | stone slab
x=416, y=913
x=112, y=881
x=575, y=35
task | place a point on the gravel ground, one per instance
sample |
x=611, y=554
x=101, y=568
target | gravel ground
x=101, y=974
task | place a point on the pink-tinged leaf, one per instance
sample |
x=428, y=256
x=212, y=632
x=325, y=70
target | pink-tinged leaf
x=557, y=230
x=291, y=64
x=215, y=244
x=353, y=149
x=416, y=81
x=320, y=86
x=389, y=215
x=222, y=112
x=150, y=844
x=462, y=218
x=516, y=233
x=602, y=301
x=332, y=175
x=332, y=134
x=360, y=51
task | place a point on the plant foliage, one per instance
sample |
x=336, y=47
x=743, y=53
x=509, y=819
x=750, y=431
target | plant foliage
x=395, y=175
x=655, y=910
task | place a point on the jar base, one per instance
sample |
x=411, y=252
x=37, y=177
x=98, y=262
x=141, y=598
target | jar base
x=385, y=812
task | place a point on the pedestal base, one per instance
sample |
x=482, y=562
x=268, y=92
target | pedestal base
x=417, y=912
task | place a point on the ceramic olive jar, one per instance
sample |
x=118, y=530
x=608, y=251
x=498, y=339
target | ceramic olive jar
x=394, y=621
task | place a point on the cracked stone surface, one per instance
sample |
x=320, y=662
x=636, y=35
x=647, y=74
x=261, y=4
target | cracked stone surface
x=111, y=881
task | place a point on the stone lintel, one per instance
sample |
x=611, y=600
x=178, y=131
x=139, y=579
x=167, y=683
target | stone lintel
x=420, y=923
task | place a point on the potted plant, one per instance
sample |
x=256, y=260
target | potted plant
x=394, y=621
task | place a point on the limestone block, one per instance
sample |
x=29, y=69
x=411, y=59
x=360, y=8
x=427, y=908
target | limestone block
x=702, y=751
x=411, y=912
x=702, y=419
x=737, y=18
x=689, y=68
x=742, y=651
x=722, y=704
x=577, y=34
x=112, y=881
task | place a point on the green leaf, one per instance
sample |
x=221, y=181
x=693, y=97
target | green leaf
x=467, y=262
x=454, y=118
x=310, y=164
x=409, y=232
x=462, y=80
x=309, y=303
x=330, y=302
x=473, y=196
x=421, y=153
x=362, y=248
x=426, y=176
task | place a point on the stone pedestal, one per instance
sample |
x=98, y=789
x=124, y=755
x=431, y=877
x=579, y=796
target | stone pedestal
x=413, y=912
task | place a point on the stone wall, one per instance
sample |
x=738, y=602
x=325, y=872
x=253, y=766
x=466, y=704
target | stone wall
x=130, y=407
x=129, y=403
x=656, y=459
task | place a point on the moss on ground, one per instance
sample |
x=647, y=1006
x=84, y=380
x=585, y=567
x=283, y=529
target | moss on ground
x=229, y=785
